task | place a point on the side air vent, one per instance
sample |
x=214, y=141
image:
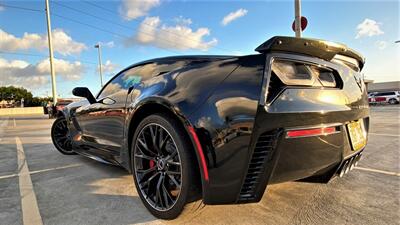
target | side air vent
x=262, y=153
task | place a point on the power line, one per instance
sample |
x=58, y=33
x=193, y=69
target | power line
x=104, y=30
x=109, y=21
x=22, y=53
x=21, y=8
x=118, y=24
x=147, y=24
x=67, y=18
x=39, y=55
x=89, y=25
x=92, y=15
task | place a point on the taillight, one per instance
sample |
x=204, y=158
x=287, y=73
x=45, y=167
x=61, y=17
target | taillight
x=311, y=132
x=300, y=74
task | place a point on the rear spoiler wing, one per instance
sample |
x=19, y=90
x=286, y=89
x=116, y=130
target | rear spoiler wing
x=314, y=47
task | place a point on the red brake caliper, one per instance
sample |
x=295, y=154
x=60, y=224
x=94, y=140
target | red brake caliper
x=152, y=164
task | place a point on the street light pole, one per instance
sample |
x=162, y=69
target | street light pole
x=297, y=18
x=53, y=75
x=100, y=65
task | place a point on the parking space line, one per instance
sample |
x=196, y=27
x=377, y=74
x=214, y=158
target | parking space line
x=30, y=209
x=8, y=176
x=377, y=171
x=56, y=168
x=41, y=171
x=383, y=134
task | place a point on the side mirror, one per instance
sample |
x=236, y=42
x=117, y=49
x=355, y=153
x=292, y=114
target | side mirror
x=85, y=93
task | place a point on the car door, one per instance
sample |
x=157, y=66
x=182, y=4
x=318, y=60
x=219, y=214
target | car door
x=103, y=122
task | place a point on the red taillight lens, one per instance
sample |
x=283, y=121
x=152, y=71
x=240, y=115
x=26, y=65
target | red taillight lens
x=310, y=132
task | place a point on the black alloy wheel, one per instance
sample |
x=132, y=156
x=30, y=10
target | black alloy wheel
x=161, y=166
x=60, y=136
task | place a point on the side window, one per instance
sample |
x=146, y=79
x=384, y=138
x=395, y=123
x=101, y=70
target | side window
x=121, y=82
x=138, y=74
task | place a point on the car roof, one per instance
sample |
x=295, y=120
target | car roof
x=187, y=58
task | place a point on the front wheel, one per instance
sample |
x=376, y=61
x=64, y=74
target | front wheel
x=162, y=166
x=60, y=136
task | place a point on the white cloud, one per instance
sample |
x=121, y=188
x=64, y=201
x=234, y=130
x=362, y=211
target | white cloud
x=152, y=32
x=233, y=16
x=31, y=76
x=381, y=44
x=62, y=42
x=68, y=70
x=368, y=28
x=1, y=8
x=132, y=9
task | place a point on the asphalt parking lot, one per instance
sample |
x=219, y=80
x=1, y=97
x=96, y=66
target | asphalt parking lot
x=39, y=185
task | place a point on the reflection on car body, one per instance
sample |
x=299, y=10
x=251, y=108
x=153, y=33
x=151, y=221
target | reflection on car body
x=222, y=128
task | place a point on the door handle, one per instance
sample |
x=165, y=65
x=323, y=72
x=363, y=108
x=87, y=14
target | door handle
x=108, y=101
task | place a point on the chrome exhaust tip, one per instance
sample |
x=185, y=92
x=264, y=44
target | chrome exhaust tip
x=343, y=170
x=352, y=162
x=358, y=157
x=348, y=166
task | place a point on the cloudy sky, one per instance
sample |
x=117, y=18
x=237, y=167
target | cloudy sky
x=131, y=31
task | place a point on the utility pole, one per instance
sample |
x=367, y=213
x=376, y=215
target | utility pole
x=53, y=75
x=297, y=17
x=100, y=69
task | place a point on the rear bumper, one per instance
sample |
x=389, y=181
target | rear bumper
x=304, y=157
x=287, y=159
x=312, y=156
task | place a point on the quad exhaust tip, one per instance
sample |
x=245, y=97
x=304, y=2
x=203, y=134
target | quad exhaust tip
x=349, y=164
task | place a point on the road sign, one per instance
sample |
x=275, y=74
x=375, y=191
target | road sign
x=303, y=23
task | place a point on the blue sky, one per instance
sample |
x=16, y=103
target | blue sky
x=156, y=28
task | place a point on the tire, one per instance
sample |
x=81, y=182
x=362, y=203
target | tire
x=60, y=137
x=156, y=172
x=393, y=101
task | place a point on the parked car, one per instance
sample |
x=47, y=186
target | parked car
x=390, y=97
x=223, y=128
x=53, y=110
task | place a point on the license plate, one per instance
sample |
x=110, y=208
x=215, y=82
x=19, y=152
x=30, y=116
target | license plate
x=357, y=134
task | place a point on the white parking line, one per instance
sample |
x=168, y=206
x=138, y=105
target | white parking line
x=30, y=209
x=382, y=134
x=377, y=171
x=41, y=171
x=3, y=123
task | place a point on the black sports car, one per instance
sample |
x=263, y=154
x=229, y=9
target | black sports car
x=222, y=128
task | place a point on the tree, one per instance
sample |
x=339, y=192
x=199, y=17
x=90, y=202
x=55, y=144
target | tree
x=15, y=93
